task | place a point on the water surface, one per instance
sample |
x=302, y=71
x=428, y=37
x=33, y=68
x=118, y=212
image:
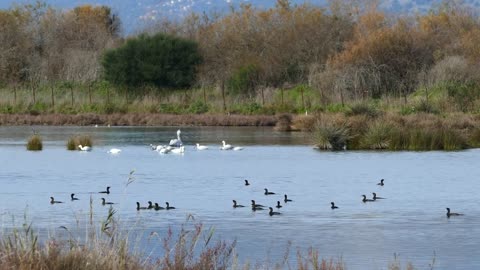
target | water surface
x=410, y=223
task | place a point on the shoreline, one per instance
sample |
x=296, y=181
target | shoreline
x=137, y=119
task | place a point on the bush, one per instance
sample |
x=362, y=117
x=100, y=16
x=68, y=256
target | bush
x=160, y=60
x=362, y=109
x=377, y=136
x=243, y=81
x=75, y=141
x=198, y=107
x=329, y=135
x=284, y=122
x=34, y=143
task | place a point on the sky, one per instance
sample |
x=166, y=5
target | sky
x=134, y=13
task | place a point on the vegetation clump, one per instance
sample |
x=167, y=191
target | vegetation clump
x=75, y=141
x=35, y=143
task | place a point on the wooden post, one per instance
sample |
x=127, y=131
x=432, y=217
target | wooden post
x=283, y=104
x=33, y=93
x=15, y=94
x=223, y=96
x=303, y=100
x=263, y=97
x=53, y=97
x=204, y=95
x=90, y=93
x=71, y=94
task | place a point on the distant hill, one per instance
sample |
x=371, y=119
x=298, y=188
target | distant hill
x=134, y=13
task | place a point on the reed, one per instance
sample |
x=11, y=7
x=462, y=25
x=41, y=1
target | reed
x=330, y=135
x=75, y=141
x=35, y=143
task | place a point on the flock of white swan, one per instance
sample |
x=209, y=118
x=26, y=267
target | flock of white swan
x=175, y=146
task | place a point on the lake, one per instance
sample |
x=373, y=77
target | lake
x=410, y=222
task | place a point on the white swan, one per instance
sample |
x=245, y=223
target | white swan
x=84, y=148
x=114, y=151
x=201, y=147
x=237, y=148
x=226, y=146
x=176, y=142
x=164, y=150
x=179, y=150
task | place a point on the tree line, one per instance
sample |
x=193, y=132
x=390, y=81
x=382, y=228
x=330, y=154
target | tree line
x=347, y=50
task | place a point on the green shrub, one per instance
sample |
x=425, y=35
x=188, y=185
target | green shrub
x=198, y=107
x=377, y=136
x=425, y=107
x=243, y=81
x=34, y=143
x=362, y=109
x=336, y=107
x=331, y=136
x=75, y=141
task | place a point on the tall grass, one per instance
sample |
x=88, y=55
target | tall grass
x=419, y=132
x=35, y=143
x=75, y=141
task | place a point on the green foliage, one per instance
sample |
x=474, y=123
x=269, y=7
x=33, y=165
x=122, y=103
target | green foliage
x=377, y=136
x=330, y=135
x=34, y=143
x=198, y=107
x=75, y=141
x=362, y=109
x=244, y=80
x=160, y=60
x=463, y=94
x=336, y=107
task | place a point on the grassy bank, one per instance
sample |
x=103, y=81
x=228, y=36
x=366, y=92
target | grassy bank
x=388, y=131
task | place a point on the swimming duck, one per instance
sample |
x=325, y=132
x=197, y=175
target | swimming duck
x=201, y=147
x=375, y=197
x=256, y=205
x=366, y=200
x=267, y=192
x=247, y=183
x=52, y=201
x=158, y=207
x=168, y=206
x=235, y=205
x=449, y=214
x=105, y=202
x=381, y=183
x=226, y=146
x=271, y=213
x=333, y=205
x=278, y=205
x=150, y=205
x=72, y=196
x=105, y=191
x=286, y=199
x=84, y=148
x=140, y=207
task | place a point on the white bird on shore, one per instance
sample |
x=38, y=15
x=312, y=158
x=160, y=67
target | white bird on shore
x=179, y=150
x=226, y=146
x=114, y=151
x=84, y=148
x=201, y=147
x=176, y=142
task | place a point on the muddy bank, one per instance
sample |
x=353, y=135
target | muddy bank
x=137, y=120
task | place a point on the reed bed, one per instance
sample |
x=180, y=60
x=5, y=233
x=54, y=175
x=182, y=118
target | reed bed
x=418, y=132
x=75, y=141
x=34, y=143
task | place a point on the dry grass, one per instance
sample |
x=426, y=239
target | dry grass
x=34, y=143
x=75, y=141
x=417, y=132
x=138, y=119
